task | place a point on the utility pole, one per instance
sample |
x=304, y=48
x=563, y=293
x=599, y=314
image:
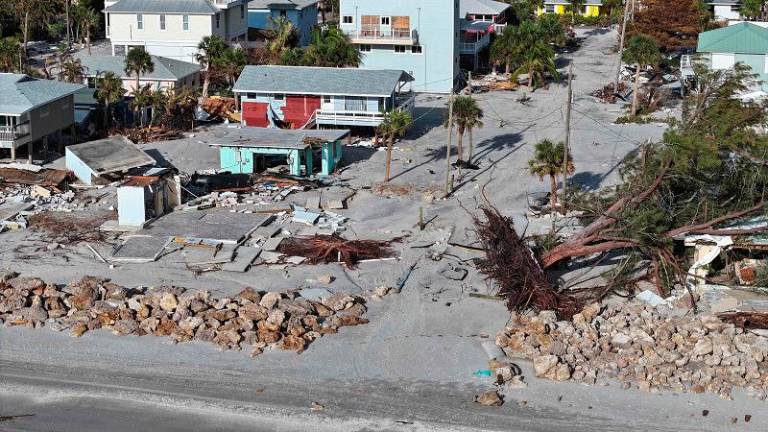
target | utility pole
x=621, y=44
x=567, y=139
x=448, y=146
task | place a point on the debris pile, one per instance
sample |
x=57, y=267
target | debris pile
x=70, y=228
x=609, y=94
x=18, y=202
x=334, y=248
x=260, y=319
x=644, y=347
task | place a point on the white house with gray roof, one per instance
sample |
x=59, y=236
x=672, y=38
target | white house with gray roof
x=725, y=10
x=167, y=73
x=299, y=96
x=173, y=28
x=32, y=110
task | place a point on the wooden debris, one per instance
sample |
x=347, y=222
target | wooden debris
x=333, y=248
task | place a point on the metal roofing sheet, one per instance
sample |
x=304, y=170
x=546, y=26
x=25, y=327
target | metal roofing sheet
x=742, y=38
x=192, y=7
x=295, y=139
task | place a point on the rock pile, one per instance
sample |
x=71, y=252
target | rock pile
x=643, y=347
x=259, y=319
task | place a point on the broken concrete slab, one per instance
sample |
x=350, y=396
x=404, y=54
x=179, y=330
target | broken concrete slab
x=313, y=201
x=272, y=244
x=217, y=225
x=244, y=257
x=315, y=294
x=140, y=249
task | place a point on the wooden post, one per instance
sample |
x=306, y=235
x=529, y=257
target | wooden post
x=448, y=146
x=621, y=44
x=563, y=203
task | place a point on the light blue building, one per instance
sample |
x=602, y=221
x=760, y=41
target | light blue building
x=302, y=13
x=420, y=37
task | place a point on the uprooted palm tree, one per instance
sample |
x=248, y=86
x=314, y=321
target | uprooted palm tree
x=395, y=124
x=548, y=161
x=210, y=49
x=467, y=115
x=138, y=62
x=641, y=50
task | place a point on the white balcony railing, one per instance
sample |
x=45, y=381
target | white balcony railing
x=11, y=133
x=368, y=34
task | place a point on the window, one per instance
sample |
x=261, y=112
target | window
x=385, y=21
x=400, y=49
x=365, y=48
x=242, y=11
x=416, y=49
x=283, y=13
x=162, y=22
x=278, y=96
x=218, y=20
x=354, y=103
x=326, y=99
x=347, y=19
x=549, y=8
x=250, y=95
x=139, y=22
x=185, y=22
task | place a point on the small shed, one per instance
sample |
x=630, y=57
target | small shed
x=144, y=197
x=102, y=160
x=239, y=148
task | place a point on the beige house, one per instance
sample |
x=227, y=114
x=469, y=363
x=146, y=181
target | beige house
x=173, y=28
x=33, y=110
x=167, y=73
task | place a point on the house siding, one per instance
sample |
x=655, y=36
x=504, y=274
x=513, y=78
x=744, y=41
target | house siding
x=304, y=20
x=437, y=24
x=50, y=118
x=175, y=42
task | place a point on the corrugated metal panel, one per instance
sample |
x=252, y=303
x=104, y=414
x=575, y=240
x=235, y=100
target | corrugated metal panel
x=742, y=38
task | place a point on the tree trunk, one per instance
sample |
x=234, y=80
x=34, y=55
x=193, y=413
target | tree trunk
x=206, y=83
x=553, y=193
x=390, y=143
x=138, y=84
x=69, y=29
x=530, y=78
x=460, y=142
x=88, y=40
x=471, y=146
x=26, y=40
x=635, y=87
x=507, y=68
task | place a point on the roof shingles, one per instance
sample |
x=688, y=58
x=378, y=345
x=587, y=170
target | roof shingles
x=191, y=7
x=20, y=93
x=165, y=69
x=319, y=80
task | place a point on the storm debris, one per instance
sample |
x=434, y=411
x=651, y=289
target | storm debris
x=648, y=348
x=334, y=248
x=251, y=318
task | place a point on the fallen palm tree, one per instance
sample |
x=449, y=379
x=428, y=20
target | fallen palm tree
x=701, y=179
x=511, y=264
x=334, y=248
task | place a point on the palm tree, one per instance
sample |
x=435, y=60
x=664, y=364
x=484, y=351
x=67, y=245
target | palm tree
x=513, y=43
x=138, y=61
x=538, y=60
x=466, y=116
x=231, y=64
x=332, y=48
x=9, y=54
x=71, y=70
x=210, y=49
x=641, y=50
x=110, y=91
x=548, y=161
x=576, y=6
x=88, y=20
x=141, y=99
x=395, y=124
x=282, y=36
x=551, y=29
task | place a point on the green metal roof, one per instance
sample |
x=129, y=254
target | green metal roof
x=742, y=38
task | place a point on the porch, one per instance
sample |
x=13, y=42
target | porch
x=358, y=112
x=13, y=129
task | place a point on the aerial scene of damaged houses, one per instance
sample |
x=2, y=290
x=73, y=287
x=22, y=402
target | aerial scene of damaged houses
x=383, y=215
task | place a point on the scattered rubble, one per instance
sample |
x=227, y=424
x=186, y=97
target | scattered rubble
x=641, y=346
x=251, y=318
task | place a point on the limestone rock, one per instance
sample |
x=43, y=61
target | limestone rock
x=489, y=398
